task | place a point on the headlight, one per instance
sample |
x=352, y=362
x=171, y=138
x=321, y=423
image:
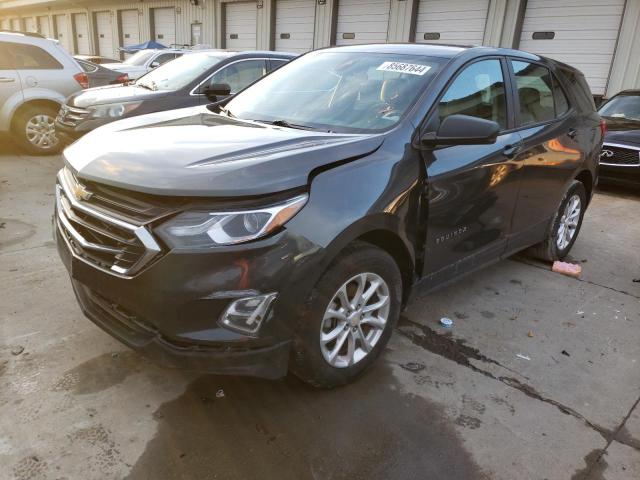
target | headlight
x=201, y=228
x=113, y=110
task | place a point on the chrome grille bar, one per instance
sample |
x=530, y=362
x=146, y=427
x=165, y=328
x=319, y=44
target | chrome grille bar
x=133, y=245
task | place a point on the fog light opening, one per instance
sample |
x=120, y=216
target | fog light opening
x=246, y=315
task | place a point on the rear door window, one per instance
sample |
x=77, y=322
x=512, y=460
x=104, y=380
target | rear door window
x=535, y=93
x=30, y=57
x=478, y=91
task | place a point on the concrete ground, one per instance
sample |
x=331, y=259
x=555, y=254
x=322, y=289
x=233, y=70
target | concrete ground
x=539, y=377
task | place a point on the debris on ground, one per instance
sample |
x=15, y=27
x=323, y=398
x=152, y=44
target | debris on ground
x=569, y=269
x=413, y=366
x=579, y=312
x=220, y=393
x=636, y=280
x=446, y=322
x=565, y=353
x=530, y=334
x=523, y=357
x=114, y=355
x=17, y=350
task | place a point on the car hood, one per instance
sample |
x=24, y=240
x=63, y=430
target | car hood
x=111, y=94
x=194, y=152
x=623, y=132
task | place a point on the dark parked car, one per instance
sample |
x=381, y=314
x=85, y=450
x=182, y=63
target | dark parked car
x=286, y=228
x=620, y=157
x=179, y=83
x=99, y=76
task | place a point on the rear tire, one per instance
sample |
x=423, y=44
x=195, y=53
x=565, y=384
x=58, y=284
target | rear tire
x=34, y=128
x=565, y=226
x=338, y=337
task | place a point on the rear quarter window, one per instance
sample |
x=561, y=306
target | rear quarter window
x=580, y=90
x=30, y=57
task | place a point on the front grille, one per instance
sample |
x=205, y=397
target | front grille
x=71, y=116
x=109, y=243
x=618, y=155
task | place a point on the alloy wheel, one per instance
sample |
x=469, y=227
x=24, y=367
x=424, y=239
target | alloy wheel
x=40, y=131
x=569, y=222
x=354, y=320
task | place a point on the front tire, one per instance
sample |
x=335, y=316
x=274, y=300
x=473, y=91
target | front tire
x=348, y=318
x=566, y=225
x=34, y=127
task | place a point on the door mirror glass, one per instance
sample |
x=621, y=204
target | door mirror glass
x=214, y=90
x=462, y=130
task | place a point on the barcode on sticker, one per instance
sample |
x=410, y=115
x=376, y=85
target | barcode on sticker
x=412, y=68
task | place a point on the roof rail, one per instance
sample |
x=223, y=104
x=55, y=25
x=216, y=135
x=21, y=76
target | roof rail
x=27, y=34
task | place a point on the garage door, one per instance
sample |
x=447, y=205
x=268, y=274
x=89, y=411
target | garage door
x=362, y=21
x=294, y=25
x=43, y=26
x=62, y=33
x=582, y=33
x=164, y=26
x=104, y=34
x=16, y=25
x=129, y=28
x=460, y=22
x=240, y=23
x=81, y=32
x=30, y=24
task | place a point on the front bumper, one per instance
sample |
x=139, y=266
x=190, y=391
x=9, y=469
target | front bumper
x=620, y=175
x=73, y=131
x=170, y=310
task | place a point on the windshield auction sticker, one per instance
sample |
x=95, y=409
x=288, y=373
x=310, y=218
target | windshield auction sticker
x=412, y=68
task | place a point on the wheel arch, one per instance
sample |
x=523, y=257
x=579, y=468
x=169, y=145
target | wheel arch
x=586, y=179
x=47, y=102
x=392, y=244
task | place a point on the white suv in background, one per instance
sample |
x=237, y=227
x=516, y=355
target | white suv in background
x=36, y=76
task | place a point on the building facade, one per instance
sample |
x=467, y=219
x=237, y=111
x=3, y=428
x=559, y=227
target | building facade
x=601, y=37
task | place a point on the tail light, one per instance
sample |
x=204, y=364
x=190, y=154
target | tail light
x=124, y=78
x=82, y=79
x=603, y=127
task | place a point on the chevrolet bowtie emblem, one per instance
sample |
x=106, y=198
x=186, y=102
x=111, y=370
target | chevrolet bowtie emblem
x=81, y=193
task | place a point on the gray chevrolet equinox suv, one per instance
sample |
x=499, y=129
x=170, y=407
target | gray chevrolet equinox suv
x=36, y=76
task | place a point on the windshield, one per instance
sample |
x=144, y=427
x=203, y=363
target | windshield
x=624, y=107
x=180, y=72
x=140, y=58
x=338, y=91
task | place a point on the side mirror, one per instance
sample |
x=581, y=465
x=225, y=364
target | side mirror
x=155, y=64
x=462, y=130
x=213, y=91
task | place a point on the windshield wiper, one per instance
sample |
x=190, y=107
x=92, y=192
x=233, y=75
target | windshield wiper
x=286, y=124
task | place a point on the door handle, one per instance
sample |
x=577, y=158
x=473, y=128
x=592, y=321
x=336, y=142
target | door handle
x=511, y=151
x=7, y=80
x=572, y=133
